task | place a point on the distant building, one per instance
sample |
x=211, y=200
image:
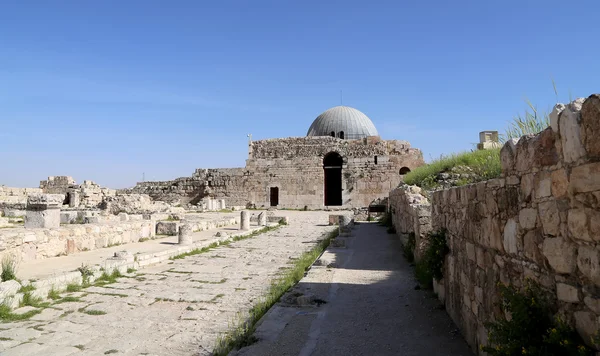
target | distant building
x=488, y=140
x=342, y=162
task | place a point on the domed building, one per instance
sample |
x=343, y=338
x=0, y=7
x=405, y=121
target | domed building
x=343, y=122
x=340, y=163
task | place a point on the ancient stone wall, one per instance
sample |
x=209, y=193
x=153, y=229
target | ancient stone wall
x=540, y=220
x=411, y=213
x=30, y=244
x=371, y=168
x=15, y=198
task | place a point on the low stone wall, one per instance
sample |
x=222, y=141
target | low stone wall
x=31, y=244
x=541, y=221
x=411, y=213
x=15, y=198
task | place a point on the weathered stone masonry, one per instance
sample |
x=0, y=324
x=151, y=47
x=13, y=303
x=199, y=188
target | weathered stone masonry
x=540, y=220
x=371, y=168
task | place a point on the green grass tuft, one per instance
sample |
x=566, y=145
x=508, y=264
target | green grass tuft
x=485, y=164
x=9, y=268
x=241, y=334
x=94, y=312
x=213, y=245
x=6, y=314
x=73, y=287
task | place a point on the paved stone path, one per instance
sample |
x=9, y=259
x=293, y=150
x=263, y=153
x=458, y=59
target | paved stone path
x=173, y=308
x=364, y=303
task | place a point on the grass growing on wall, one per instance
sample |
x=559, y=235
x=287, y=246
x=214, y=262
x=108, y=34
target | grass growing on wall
x=531, y=329
x=485, y=164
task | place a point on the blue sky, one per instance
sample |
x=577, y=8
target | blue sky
x=111, y=90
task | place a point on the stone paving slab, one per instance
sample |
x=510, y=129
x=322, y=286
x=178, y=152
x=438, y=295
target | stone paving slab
x=361, y=301
x=176, y=307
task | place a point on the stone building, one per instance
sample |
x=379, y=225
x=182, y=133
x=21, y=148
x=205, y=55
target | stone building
x=341, y=162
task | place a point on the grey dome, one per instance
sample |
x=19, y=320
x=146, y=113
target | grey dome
x=353, y=123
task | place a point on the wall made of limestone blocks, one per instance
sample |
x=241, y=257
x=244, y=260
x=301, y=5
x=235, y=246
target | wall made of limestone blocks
x=541, y=220
x=295, y=166
x=31, y=244
x=15, y=197
x=411, y=213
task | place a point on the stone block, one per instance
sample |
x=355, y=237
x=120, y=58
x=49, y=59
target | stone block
x=334, y=219
x=507, y=155
x=578, y=225
x=170, y=228
x=550, y=217
x=558, y=108
x=92, y=220
x=528, y=218
x=560, y=254
x=543, y=187
x=471, y=251
x=593, y=303
x=43, y=210
x=9, y=288
x=569, y=126
x=585, y=178
x=74, y=199
x=68, y=217
x=123, y=217
x=586, y=324
x=590, y=125
x=560, y=183
x=511, y=240
x=588, y=262
x=567, y=293
x=531, y=240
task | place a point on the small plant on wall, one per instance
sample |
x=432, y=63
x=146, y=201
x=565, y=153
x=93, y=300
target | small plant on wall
x=431, y=264
x=531, y=329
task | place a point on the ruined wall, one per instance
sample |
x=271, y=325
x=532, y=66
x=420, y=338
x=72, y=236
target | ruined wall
x=88, y=194
x=31, y=244
x=541, y=220
x=15, y=198
x=371, y=168
x=411, y=213
x=179, y=191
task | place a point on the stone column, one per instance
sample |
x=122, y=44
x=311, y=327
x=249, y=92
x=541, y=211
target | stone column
x=222, y=204
x=345, y=226
x=43, y=210
x=262, y=219
x=244, y=220
x=185, y=234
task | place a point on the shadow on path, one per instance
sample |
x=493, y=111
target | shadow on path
x=372, y=307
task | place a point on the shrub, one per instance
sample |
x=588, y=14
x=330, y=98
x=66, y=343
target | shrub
x=431, y=264
x=9, y=268
x=409, y=247
x=531, y=329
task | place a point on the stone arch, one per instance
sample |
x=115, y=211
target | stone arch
x=332, y=186
x=404, y=170
x=341, y=135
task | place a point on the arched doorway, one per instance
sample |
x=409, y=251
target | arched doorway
x=404, y=170
x=332, y=165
